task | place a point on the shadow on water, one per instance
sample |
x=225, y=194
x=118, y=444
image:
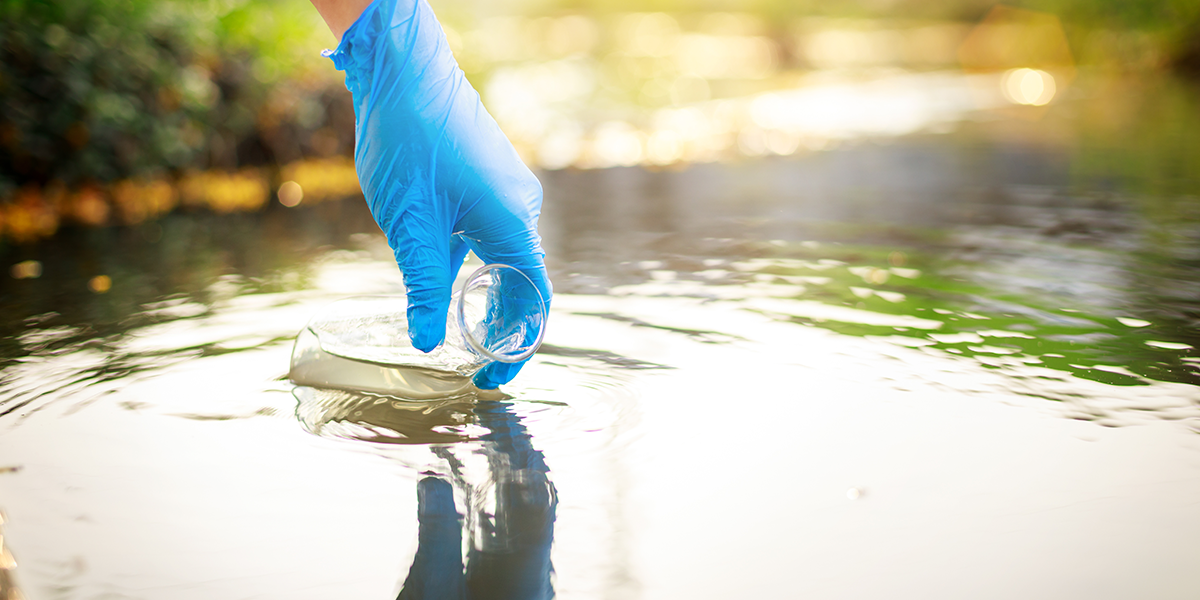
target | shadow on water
x=509, y=506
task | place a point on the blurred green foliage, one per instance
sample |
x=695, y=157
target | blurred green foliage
x=1173, y=24
x=101, y=90
x=96, y=90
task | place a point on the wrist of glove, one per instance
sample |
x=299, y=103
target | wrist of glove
x=439, y=175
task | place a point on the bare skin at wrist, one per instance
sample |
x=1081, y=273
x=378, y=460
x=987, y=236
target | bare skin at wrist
x=339, y=15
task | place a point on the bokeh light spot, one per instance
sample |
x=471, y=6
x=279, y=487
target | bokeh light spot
x=290, y=194
x=1031, y=87
x=100, y=284
x=27, y=269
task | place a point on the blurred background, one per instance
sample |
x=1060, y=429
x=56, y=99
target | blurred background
x=148, y=148
x=118, y=112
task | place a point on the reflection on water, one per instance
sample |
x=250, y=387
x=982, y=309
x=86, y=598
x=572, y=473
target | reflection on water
x=8, y=585
x=387, y=419
x=509, y=503
x=989, y=331
x=1009, y=274
x=510, y=521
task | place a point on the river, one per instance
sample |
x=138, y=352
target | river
x=949, y=364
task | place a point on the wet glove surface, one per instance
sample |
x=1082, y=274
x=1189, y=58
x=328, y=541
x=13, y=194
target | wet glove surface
x=438, y=174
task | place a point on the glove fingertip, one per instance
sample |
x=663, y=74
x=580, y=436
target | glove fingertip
x=496, y=374
x=426, y=327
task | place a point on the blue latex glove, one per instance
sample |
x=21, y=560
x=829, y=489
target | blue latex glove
x=439, y=175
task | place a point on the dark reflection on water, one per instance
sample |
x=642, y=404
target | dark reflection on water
x=509, y=509
x=508, y=556
x=183, y=258
x=385, y=419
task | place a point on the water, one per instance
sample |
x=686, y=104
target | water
x=312, y=366
x=959, y=365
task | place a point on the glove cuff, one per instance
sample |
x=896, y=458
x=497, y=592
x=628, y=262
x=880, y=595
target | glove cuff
x=356, y=52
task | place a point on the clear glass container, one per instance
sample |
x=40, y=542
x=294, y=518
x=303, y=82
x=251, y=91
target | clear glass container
x=361, y=343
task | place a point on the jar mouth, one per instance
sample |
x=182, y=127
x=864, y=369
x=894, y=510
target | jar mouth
x=523, y=310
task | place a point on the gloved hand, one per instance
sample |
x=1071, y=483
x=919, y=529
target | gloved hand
x=439, y=175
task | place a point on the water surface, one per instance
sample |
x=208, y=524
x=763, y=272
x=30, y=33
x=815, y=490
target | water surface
x=949, y=365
